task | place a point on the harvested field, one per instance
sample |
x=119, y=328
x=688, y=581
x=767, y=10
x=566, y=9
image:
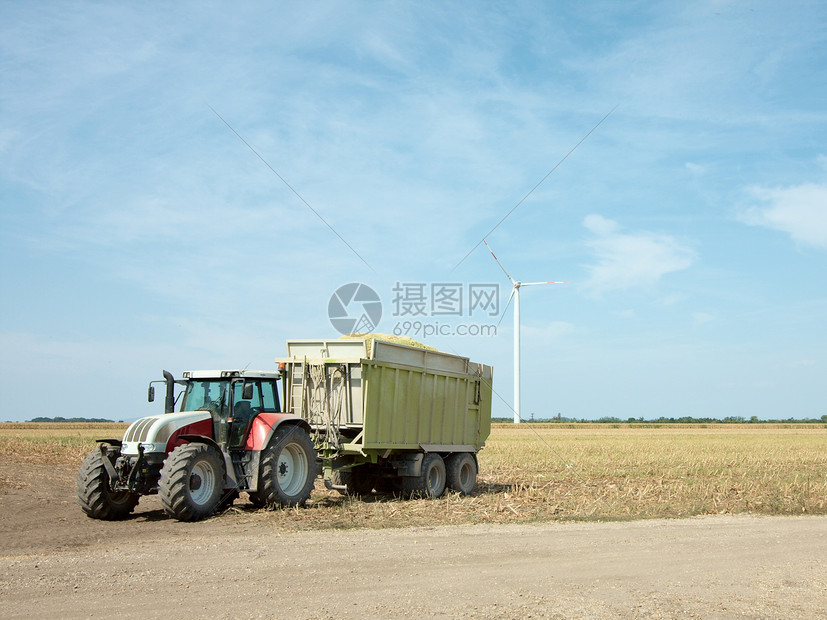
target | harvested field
x=549, y=472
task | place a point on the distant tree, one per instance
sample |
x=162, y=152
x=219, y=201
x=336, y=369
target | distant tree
x=61, y=420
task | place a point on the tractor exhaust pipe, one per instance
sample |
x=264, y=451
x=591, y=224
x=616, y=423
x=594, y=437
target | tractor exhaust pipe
x=169, y=401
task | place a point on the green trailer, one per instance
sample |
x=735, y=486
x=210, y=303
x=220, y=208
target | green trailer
x=389, y=417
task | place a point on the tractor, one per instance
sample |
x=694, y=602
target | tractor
x=229, y=435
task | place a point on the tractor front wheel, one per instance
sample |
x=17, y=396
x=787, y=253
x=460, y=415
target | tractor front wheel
x=192, y=482
x=288, y=469
x=95, y=497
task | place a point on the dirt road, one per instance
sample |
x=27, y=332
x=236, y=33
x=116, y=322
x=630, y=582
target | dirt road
x=54, y=562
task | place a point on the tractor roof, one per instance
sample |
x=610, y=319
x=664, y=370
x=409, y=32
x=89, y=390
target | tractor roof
x=231, y=374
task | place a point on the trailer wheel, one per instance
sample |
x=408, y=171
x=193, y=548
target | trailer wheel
x=431, y=481
x=462, y=472
x=288, y=469
x=192, y=481
x=362, y=480
x=389, y=485
x=340, y=478
x=95, y=497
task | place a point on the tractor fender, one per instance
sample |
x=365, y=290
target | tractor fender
x=265, y=425
x=199, y=439
x=261, y=432
x=200, y=430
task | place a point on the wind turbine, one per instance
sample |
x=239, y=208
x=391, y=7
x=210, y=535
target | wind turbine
x=515, y=293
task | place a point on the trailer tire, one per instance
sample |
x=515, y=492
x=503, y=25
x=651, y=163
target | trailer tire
x=462, y=472
x=288, y=469
x=362, y=480
x=340, y=479
x=95, y=497
x=430, y=482
x=389, y=485
x=192, y=481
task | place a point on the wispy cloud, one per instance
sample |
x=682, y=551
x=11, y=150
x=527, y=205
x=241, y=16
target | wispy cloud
x=630, y=259
x=800, y=211
x=701, y=318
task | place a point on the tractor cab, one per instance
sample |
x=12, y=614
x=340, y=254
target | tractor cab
x=232, y=397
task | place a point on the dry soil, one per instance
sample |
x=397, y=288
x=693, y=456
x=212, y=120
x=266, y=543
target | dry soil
x=56, y=562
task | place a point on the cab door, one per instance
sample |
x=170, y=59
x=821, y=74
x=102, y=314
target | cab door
x=249, y=398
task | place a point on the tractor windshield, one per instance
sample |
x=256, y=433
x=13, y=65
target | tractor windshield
x=210, y=395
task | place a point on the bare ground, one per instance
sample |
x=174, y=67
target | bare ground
x=56, y=562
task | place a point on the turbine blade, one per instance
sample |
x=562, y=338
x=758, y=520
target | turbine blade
x=508, y=275
x=502, y=316
x=535, y=283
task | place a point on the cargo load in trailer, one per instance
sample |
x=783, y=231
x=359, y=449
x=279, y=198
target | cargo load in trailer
x=383, y=416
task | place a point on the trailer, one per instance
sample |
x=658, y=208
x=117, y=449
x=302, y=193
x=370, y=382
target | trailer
x=383, y=417
x=390, y=417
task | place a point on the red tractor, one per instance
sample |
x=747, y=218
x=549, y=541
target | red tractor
x=228, y=436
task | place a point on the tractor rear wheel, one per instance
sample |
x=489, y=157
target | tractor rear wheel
x=288, y=469
x=192, y=481
x=462, y=472
x=430, y=482
x=95, y=497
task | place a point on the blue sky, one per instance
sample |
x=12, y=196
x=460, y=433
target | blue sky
x=137, y=232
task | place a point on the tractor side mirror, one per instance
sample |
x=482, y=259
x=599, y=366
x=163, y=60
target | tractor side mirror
x=151, y=394
x=247, y=391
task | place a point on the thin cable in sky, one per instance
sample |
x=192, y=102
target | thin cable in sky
x=290, y=187
x=540, y=182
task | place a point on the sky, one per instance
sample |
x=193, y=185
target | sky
x=185, y=185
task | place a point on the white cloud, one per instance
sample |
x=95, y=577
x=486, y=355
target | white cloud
x=600, y=225
x=800, y=211
x=701, y=318
x=628, y=260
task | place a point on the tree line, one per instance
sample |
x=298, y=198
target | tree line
x=75, y=420
x=664, y=420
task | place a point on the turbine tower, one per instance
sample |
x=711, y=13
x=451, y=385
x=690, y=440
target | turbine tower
x=515, y=293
